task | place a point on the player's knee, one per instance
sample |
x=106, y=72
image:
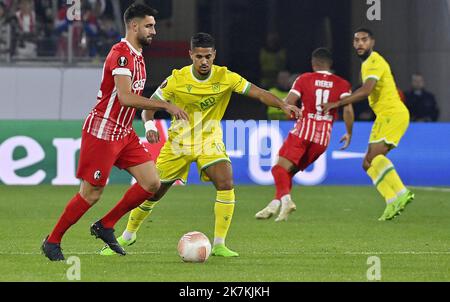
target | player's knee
x=151, y=185
x=92, y=196
x=224, y=185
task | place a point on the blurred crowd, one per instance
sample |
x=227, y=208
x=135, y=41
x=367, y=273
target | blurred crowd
x=40, y=28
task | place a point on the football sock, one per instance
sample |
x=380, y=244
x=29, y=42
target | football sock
x=223, y=210
x=391, y=176
x=380, y=184
x=285, y=198
x=283, y=181
x=274, y=203
x=132, y=198
x=76, y=207
x=137, y=217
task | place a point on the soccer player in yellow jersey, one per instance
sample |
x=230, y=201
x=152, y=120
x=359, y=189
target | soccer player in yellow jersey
x=392, y=120
x=203, y=90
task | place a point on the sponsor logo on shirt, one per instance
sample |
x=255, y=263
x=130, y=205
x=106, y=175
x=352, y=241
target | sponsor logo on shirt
x=139, y=85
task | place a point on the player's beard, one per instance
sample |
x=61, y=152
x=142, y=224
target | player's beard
x=144, y=41
x=365, y=55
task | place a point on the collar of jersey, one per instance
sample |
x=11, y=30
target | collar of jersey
x=201, y=81
x=324, y=72
x=374, y=53
x=131, y=47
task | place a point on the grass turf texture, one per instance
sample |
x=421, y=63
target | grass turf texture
x=328, y=238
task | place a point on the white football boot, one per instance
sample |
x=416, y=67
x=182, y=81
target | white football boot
x=287, y=207
x=271, y=209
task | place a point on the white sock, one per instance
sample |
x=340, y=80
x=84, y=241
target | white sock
x=274, y=203
x=127, y=235
x=286, y=198
x=219, y=241
x=391, y=200
x=401, y=192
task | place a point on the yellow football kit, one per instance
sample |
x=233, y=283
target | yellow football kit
x=390, y=125
x=392, y=115
x=199, y=139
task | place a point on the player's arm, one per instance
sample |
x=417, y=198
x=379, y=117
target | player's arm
x=349, y=118
x=151, y=132
x=359, y=95
x=129, y=99
x=292, y=99
x=271, y=100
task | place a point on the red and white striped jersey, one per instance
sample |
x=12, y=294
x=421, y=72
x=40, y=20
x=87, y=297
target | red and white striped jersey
x=109, y=120
x=315, y=89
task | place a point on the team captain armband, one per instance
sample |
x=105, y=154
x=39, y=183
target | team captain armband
x=150, y=126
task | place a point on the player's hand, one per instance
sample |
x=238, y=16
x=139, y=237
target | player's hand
x=152, y=136
x=292, y=111
x=329, y=106
x=346, y=138
x=177, y=112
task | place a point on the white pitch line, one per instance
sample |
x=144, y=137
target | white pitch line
x=74, y=253
x=446, y=190
x=284, y=253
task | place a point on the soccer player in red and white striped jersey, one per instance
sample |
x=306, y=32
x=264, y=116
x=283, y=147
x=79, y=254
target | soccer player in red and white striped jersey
x=311, y=134
x=108, y=138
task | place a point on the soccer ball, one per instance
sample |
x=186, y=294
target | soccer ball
x=194, y=247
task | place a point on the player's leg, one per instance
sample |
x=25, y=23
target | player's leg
x=147, y=183
x=93, y=173
x=377, y=168
x=136, y=219
x=171, y=167
x=136, y=159
x=220, y=173
x=74, y=210
x=290, y=155
x=310, y=152
x=282, y=173
x=385, y=136
x=139, y=214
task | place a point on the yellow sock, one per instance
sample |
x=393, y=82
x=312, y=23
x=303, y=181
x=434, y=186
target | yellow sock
x=223, y=210
x=138, y=215
x=382, y=186
x=382, y=163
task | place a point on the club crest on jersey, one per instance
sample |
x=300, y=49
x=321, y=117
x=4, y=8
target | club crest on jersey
x=216, y=87
x=97, y=175
x=139, y=85
x=122, y=61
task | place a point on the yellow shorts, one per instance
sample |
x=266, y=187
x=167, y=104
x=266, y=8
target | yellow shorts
x=389, y=128
x=174, y=165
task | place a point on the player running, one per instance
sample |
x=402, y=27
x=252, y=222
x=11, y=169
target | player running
x=392, y=120
x=108, y=137
x=311, y=134
x=203, y=90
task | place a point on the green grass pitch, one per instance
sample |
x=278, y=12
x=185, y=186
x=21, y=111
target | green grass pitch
x=329, y=238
